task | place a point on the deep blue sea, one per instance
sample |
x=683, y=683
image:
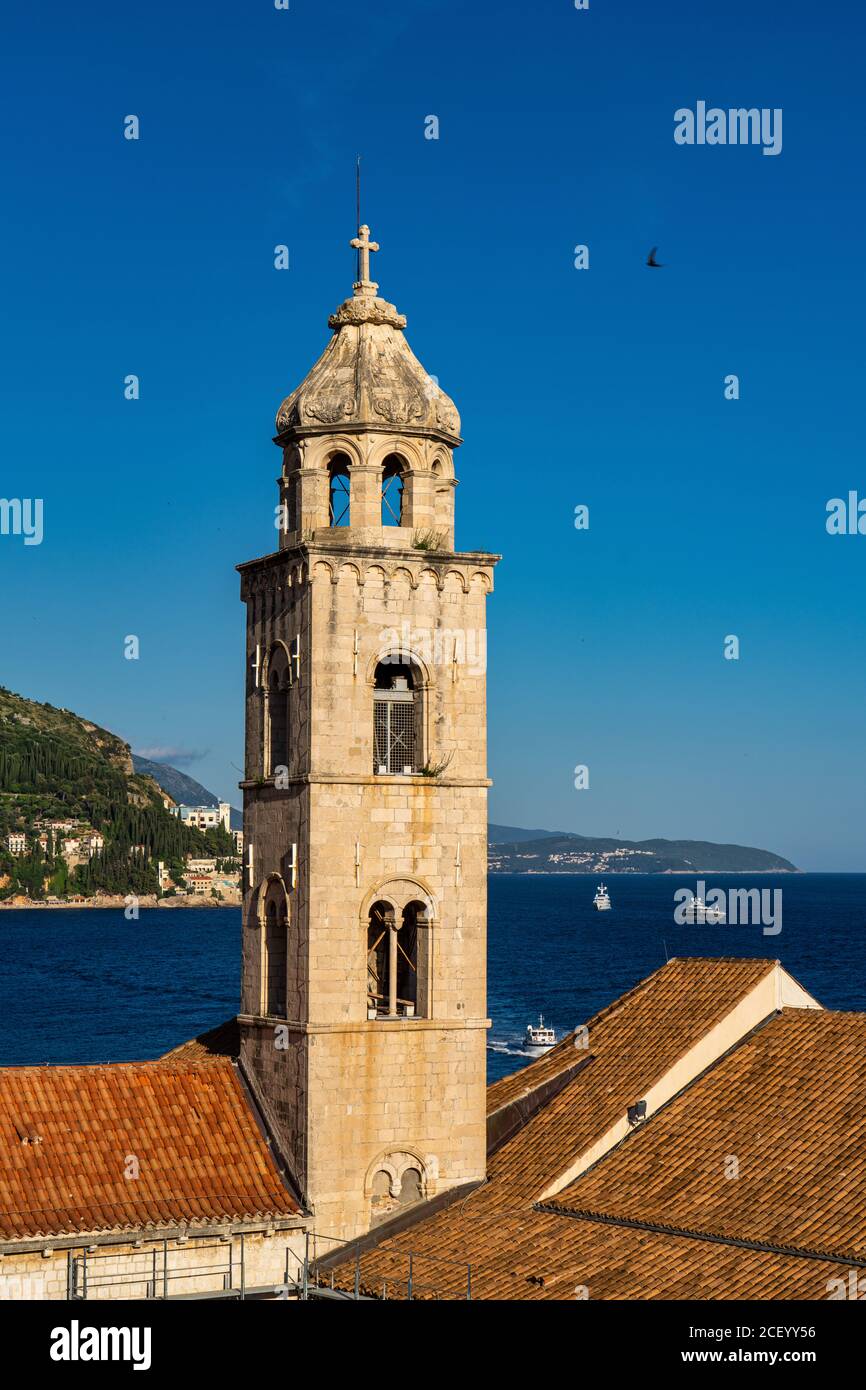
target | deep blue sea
x=88, y=986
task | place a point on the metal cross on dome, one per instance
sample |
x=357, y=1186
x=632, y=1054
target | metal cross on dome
x=363, y=245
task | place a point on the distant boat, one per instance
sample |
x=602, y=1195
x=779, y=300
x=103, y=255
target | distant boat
x=540, y=1036
x=698, y=911
x=602, y=899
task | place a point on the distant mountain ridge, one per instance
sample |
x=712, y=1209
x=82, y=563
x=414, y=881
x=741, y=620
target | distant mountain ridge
x=552, y=853
x=186, y=791
x=513, y=835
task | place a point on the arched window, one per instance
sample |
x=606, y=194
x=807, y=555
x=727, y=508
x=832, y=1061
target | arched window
x=399, y=1181
x=292, y=502
x=392, y=490
x=275, y=951
x=379, y=934
x=407, y=959
x=381, y=1202
x=339, y=492
x=278, y=710
x=398, y=729
x=411, y=1189
x=393, y=961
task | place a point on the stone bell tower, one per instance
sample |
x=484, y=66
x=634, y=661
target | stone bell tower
x=363, y=1028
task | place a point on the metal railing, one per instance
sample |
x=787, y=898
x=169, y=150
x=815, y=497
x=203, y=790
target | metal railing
x=404, y=1283
x=162, y=1272
x=159, y=1271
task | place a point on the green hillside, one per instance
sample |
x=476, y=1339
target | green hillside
x=56, y=766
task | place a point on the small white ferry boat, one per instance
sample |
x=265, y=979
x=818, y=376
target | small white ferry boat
x=540, y=1036
x=602, y=899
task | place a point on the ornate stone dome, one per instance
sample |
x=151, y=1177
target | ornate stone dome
x=368, y=374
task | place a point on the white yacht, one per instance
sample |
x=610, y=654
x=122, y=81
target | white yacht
x=698, y=911
x=540, y=1036
x=602, y=899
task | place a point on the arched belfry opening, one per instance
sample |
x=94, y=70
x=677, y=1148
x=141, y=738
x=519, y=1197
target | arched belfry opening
x=398, y=717
x=379, y=939
x=393, y=490
x=407, y=960
x=277, y=722
x=275, y=949
x=396, y=961
x=339, y=491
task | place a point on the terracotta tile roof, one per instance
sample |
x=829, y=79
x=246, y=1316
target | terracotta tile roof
x=222, y=1041
x=789, y=1104
x=522, y=1083
x=786, y=1095
x=67, y=1133
x=700, y=990
x=540, y=1255
x=631, y=1044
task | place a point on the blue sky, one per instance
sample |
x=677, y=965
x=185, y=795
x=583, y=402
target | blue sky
x=602, y=387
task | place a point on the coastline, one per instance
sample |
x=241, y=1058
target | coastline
x=150, y=901
x=202, y=901
x=144, y=903
x=639, y=873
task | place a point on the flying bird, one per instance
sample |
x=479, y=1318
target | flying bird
x=651, y=259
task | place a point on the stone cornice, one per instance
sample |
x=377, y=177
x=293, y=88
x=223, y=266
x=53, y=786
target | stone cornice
x=292, y=433
x=154, y=1235
x=429, y=559
x=299, y=566
x=306, y=779
x=386, y=1025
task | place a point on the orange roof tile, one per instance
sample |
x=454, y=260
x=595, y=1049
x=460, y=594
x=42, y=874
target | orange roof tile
x=631, y=1044
x=769, y=1145
x=222, y=1041
x=541, y=1255
x=704, y=990
x=70, y=1135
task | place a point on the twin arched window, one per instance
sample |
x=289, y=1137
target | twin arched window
x=395, y=988
x=388, y=1193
